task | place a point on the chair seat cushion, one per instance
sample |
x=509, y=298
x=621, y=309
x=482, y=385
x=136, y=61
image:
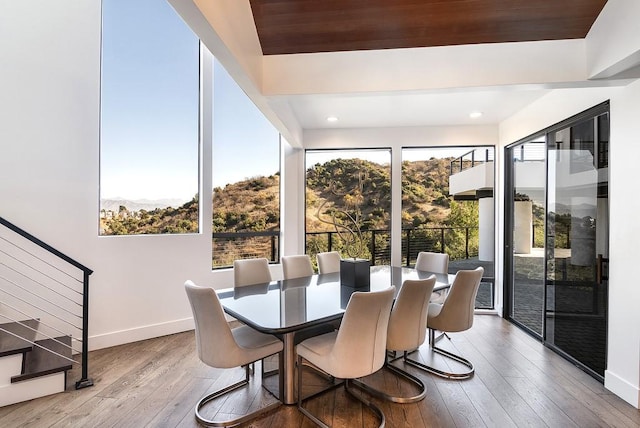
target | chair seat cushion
x=432, y=315
x=317, y=350
x=255, y=344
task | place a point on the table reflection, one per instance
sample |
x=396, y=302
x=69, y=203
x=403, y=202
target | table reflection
x=286, y=305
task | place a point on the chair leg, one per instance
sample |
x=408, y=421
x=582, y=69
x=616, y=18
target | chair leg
x=314, y=418
x=369, y=404
x=445, y=353
x=438, y=337
x=232, y=422
x=395, y=399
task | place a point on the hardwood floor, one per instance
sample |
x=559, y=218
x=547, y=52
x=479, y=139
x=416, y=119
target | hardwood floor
x=156, y=383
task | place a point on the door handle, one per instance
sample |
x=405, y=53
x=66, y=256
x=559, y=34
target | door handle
x=600, y=261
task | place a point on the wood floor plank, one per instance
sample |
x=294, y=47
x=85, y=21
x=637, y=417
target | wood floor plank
x=513, y=404
x=156, y=383
x=541, y=404
x=460, y=407
x=549, y=373
x=182, y=405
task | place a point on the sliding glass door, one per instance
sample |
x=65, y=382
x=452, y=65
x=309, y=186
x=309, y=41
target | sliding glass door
x=577, y=241
x=557, y=237
x=527, y=200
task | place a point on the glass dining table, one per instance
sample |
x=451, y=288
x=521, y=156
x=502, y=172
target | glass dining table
x=287, y=308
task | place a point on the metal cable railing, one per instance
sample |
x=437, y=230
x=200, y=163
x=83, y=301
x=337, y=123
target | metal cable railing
x=41, y=283
x=36, y=343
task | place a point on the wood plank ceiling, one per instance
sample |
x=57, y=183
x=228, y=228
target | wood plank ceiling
x=307, y=26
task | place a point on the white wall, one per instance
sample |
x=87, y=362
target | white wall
x=49, y=173
x=623, y=372
x=623, y=368
x=613, y=43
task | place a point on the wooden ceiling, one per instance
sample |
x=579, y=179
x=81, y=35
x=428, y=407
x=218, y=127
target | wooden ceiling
x=307, y=26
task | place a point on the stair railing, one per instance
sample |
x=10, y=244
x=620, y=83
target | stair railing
x=25, y=298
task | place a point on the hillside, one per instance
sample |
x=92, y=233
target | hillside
x=425, y=196
x=360, y=188
x=248, y=205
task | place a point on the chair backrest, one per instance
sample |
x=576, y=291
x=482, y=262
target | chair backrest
x=408, y=321
x=251, y=271
x=458, y=307
x=214, y=341
x=433, y=262
x=328, y=262
x=296, y=266
x=361, y=342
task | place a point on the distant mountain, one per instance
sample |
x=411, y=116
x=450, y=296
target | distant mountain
x=113, y=204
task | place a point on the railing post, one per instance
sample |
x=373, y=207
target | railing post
x=466, y=242
x=329, y=241
x=273, y=248
x=533, y=235
x=442, y=246
x=85, y=381
x=373, y=248
x=408, y=247
x=473, y=159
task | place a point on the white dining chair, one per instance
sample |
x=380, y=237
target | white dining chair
x=433, y=262
x=355, y=350
x=406, y=332
x=436, y=263
x=251, y=271
x=454, y=315
x=296, y=266
x=220, y=346
x=328, y=262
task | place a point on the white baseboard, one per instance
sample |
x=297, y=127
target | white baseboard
x=140, y=333
x=623, y=389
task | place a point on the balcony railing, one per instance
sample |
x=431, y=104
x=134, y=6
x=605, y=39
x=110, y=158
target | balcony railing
x=471, y=159
x=458, y=242
x=461, y=243
x=229, y=246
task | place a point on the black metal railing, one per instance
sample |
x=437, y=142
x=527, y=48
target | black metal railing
x=39, y=282
x=461, y=243
x=229, y=246
x=471, y=159
x=458, y=242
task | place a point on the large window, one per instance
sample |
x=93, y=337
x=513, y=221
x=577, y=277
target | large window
x=448, y=207
x=246, y=177
x=149, y=120
x=348, y=203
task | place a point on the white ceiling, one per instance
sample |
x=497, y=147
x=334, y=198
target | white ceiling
x=409, y=108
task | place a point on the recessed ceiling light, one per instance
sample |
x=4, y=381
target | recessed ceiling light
x=475, y=114
x=332, y=119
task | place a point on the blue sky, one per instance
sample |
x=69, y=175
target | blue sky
x=149, y=120
x=245, y=143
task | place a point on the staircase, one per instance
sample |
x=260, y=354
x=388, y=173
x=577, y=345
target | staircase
x=43, y=317
x=31, y=367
